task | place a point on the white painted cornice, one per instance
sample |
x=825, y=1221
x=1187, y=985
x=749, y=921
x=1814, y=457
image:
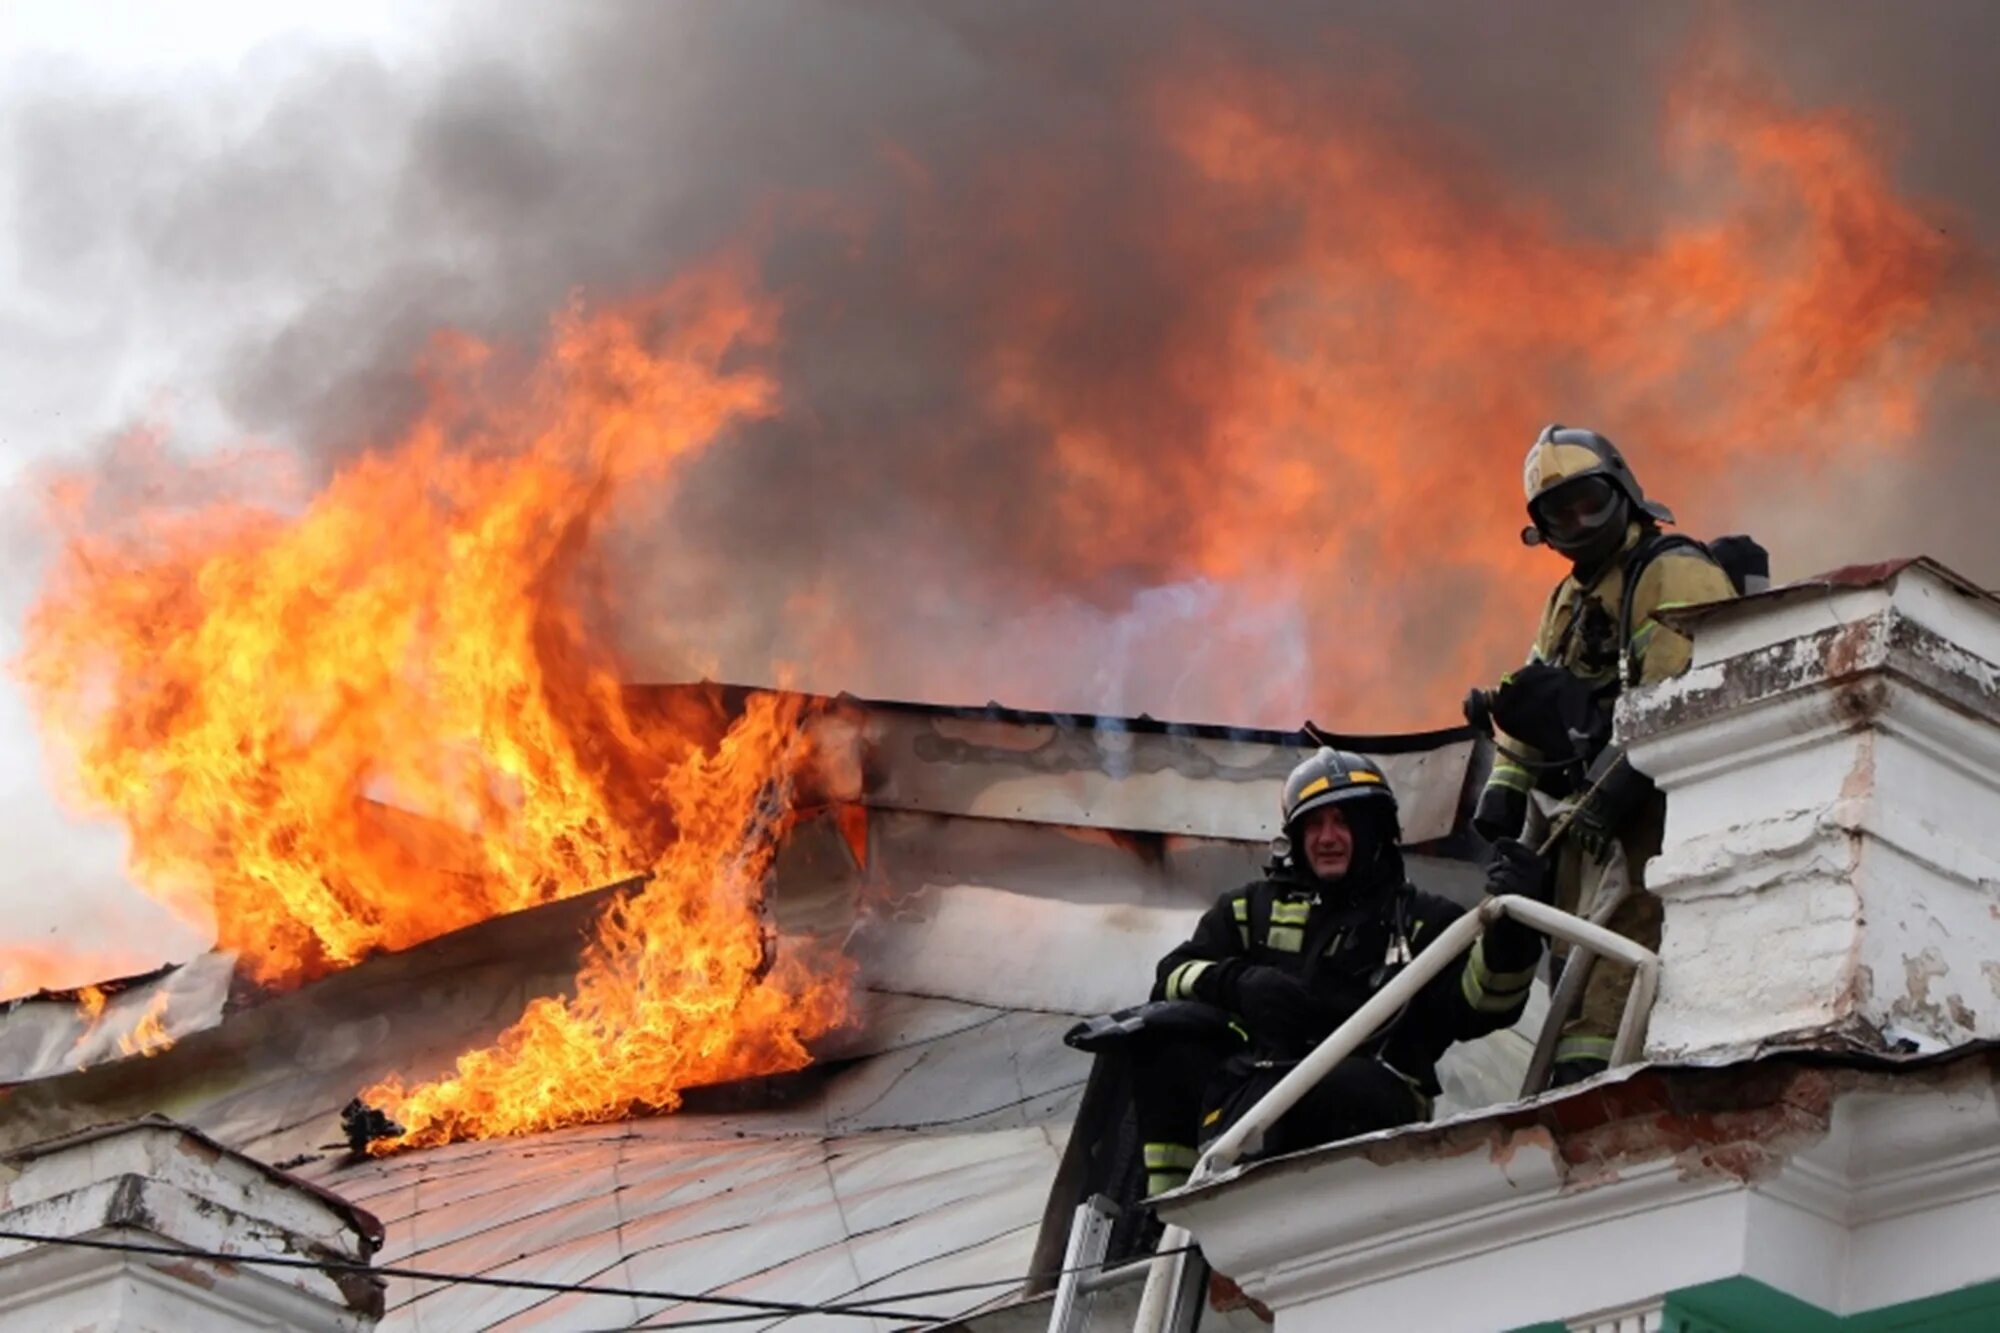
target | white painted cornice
x=1341, y=1230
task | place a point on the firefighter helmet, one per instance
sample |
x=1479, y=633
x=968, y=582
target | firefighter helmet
x=1331, y=776
x=1580, y=490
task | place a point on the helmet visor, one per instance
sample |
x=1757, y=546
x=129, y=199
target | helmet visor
x=1576, y=510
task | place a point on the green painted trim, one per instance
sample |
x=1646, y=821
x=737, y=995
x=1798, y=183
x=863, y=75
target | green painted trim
x=1745, y=1305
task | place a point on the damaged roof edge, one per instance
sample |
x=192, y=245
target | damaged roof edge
x=1846, y=578
x=364, y=1223
x=1680, y=1106
x=107, y=986
x=1143, y=724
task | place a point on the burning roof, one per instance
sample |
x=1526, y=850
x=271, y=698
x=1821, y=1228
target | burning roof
x=919, y=1148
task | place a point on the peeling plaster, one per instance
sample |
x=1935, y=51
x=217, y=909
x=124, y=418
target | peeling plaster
x=1224, y=1296
x=1859, y=784
x=195, y=1275
x=1916, y=1005
x=1742, y=1142
x=1743, y=1123
x=1533, y=1136
x=1778, y=669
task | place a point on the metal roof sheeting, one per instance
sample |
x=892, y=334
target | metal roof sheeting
x=1099, y=777
x=996, y=876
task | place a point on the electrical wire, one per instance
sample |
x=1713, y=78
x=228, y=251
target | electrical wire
x=756, y=1310
x=713, y=1321
x=763, y=1309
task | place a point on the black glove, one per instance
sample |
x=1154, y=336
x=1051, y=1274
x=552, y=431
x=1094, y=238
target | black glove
x=1614, y=790
x=1478, y=710
x=1552, y=710
x=1590, y=830
x=1274, y=1004
x=1500, y=813
x=1516, y=869
x=1519, y=869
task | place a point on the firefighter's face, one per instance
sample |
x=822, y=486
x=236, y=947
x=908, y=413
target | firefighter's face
x=1327, y=841
x=1576, y=511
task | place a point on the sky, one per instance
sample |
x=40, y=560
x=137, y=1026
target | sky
x=85, y=360
x=1176, y=365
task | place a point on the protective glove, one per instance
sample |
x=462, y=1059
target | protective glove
x=1274, y=1004
x=1500, y=813
x=1613, y=790
x=1589, y=831
x=1549, y=708
x=1478, y=710
x=1518, y=869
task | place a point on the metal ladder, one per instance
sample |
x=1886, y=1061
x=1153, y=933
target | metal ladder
x=1607, y=895
x=1174, y=1292
x=1084, y=1274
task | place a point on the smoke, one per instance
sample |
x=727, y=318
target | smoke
x=948, y=199
x=1174, y=360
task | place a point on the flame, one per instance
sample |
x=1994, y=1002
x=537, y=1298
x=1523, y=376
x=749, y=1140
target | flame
x=286, y=700
x=679, y=987
x=1332, y=326
x=392, y=712
x=90, y=1002
x=1381, y=376
x=244, y=685
x=148, y=1036
x=90, y=999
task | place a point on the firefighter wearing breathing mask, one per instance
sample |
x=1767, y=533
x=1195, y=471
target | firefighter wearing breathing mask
x=1275, y=966
x=1600, y=633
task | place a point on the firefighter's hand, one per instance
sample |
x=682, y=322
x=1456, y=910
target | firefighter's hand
x=1591, y=831
x=1519, y=869
x=1615, y=792
x=1277, y=1005
x=1500, y=813
x=1547, y=707
x=1478, y=708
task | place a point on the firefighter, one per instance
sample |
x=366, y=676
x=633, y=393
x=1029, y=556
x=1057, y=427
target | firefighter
x=1282, y=961
x=1599, y=634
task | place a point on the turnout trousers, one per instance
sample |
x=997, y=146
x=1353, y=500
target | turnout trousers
x=1189, y=1091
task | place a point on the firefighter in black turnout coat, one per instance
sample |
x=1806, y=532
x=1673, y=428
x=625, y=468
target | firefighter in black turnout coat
x=1291, y=956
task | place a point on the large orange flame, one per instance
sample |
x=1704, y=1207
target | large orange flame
x=1374, y=323
x=1370, y=320
x=680, y=986
x=266, y=698
x=245, y=687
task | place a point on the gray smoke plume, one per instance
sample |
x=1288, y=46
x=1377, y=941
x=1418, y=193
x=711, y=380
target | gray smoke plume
x=929, y=189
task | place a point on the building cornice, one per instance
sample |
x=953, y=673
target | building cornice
x=1664, y=1163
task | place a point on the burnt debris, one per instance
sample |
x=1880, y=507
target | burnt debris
x=364, y=1124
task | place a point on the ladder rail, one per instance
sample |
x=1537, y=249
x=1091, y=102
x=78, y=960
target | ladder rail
x=1083, y=1258
x=1165, y=1281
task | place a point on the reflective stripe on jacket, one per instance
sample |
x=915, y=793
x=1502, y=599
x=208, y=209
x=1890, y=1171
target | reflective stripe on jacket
x=1346, y=949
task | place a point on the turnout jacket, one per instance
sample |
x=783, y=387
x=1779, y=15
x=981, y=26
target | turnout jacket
x=1580, y=631
x=1345, y=942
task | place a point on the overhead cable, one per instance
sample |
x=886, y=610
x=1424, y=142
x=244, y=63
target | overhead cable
x=764, y=1309
x=924, y=1321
